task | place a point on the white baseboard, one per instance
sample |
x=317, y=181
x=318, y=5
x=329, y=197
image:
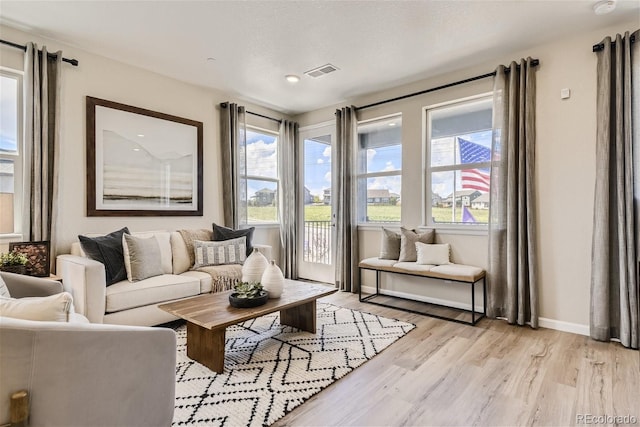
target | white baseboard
x=422, y=298
x=557, y=325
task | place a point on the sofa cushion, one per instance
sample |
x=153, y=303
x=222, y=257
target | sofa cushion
x=221, y=233
x=204, y=278
x=231, y=251
x=141, y=257
x=180, y=255
x=412, y=268
x=107, y=250
x=125, y=294
x=53, y=308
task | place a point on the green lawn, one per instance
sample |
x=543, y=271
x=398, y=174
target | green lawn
x=375, y=213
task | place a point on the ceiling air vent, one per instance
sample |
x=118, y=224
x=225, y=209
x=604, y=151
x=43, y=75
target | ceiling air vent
x=321, y=71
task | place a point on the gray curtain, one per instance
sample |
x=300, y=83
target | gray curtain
x=346, y=257
x=512, y=280
x=42, y=81
x=233, y=149
x=614, y=274
x=289, y=209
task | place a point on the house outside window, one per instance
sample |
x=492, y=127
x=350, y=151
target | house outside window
x=11, y=154
x=458, y=160
x=380, y=170
x=261, y=178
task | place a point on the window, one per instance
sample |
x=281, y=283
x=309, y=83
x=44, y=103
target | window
x=10, y=152
x=380, y=169
x=261, y=176
x=459, y=160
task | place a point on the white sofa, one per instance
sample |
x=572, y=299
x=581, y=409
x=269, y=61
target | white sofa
x=136, y=303
x=83, y=374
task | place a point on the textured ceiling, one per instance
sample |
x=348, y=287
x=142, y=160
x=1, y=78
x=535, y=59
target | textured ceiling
x=375, y=44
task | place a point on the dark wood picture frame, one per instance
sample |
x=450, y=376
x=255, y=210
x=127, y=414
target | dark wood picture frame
x=39, y=264
x=119, y=200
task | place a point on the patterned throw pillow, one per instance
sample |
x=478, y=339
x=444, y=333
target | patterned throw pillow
x=107, y=250
x=233, y=251
x=221, y=233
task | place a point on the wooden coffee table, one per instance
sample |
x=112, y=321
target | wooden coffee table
x=209, y=315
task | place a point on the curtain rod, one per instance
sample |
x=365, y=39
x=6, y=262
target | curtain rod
x=534, y=63
x=598, y=47
x=73, y=62
x=226, y=104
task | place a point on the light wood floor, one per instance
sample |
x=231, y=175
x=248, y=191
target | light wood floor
x=449, y=374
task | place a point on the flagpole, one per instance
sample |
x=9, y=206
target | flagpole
x=455, y=157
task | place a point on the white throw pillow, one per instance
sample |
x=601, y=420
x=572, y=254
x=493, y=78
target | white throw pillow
x=432, y=254
x=54, y=308
x=232, y=251
x=4, y=291
x=142, y=257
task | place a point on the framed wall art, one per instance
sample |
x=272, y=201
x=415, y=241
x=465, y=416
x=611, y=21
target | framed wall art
x=37, y=254
x=141, y=162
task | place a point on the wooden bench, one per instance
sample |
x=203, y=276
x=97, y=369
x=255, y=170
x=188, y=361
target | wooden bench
x=450, y=272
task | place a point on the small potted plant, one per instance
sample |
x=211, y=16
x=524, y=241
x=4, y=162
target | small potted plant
x=13, y=262
x=248, y=294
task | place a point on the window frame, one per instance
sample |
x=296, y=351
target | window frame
x=18, y=160
x=246, y=177
x=428, y=170
x=362, y=174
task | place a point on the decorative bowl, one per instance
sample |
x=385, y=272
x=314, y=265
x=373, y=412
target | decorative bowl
x=248, y=302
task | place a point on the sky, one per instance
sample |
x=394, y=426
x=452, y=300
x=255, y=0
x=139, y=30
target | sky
x=8, y=113
x=262, y=155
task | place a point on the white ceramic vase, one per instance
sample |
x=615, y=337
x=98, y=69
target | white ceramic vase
x=254, y=267
x=273, y=280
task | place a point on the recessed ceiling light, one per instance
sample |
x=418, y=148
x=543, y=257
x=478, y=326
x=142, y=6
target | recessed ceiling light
x=604, y=7
x=392, y=124
x=140, y=135
x=136, y=149
x=292, y=78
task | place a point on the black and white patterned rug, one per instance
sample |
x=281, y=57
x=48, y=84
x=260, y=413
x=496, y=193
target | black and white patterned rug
x=270, y=369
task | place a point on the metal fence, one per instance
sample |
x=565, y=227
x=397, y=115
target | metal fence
x=317, y=241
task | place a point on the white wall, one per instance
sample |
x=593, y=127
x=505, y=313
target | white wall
x=103, y=78
x=565, y=167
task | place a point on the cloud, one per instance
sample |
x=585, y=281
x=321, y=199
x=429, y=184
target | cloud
x=327, y=176
x=392, y=183
x=320, y=161
x=327, y=152
x=389, y=167
x=262, y=159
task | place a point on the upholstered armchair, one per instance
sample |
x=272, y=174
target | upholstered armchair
x=82, y=374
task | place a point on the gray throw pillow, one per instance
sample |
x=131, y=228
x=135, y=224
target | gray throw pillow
x=408, y=241
x=142, y=258
x=232, y=251
x=389, y=244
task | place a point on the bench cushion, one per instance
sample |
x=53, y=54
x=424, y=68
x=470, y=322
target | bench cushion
x=465, y=273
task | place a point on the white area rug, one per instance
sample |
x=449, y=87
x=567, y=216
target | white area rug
x=270, y=369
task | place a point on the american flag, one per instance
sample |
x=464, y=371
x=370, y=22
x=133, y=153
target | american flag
x=474, y=179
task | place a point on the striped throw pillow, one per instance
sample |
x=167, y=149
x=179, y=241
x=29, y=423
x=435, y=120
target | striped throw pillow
x=233, y=251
